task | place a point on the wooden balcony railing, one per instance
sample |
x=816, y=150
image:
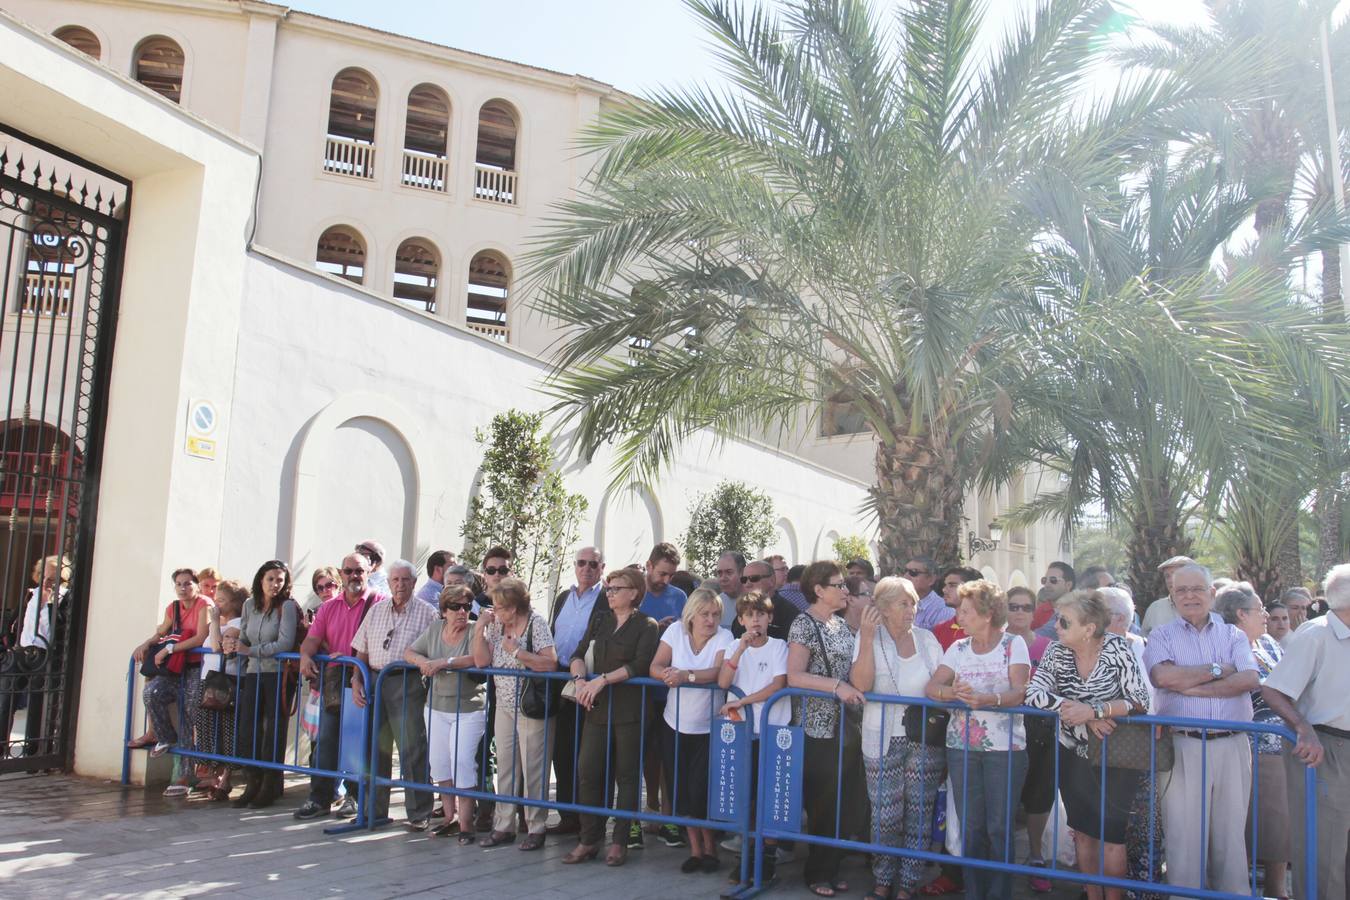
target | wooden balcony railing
x=422, y=170
x=39, y=480
x=47, y=294
x=496, y=332
x=495, y=185
x=344, y=156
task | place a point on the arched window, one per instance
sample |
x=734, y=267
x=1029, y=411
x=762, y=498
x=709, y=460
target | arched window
x=352, y=104
x=425, y=137
x=158, y=64
x=417, y=266
x=39, y=463
x=82, y=39
x=495, y=176
x=342, y=252
x=489, y=290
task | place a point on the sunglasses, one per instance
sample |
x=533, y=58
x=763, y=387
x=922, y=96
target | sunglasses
x=753, y=579
x=496, y=570
x=1052, y=579
x=327, y=586
x=353, y=571
x=915, y=573
x=388, y=639
x=1020, y=607
x=458, y=607
x=588, y=563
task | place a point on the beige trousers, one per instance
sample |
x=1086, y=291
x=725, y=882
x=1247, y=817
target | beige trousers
x=524, y=751
x=1333, y=818
x=1222, y=794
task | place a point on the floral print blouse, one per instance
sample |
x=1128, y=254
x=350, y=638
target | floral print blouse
x=987, y=673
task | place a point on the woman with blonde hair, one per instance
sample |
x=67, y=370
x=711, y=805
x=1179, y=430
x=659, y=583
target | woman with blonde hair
x=891, y=656
x=691, y=652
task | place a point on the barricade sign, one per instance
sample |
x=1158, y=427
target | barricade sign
x=352, y=744
x=729, y=764
x=782, y=778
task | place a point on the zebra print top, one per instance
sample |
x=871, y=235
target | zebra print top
x=1117, y=676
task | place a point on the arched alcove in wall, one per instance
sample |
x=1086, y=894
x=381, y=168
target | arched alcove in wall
x=1017, y=579
x=783, y=542
x=825, y=545
x=989, y=573
x=628, y=523
x=356, y=477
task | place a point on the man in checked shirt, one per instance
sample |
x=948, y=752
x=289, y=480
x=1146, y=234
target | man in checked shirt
x=388, y=629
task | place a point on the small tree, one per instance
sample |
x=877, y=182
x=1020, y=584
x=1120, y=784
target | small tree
x=522, y=503
x=734, y=516
x=850, y=546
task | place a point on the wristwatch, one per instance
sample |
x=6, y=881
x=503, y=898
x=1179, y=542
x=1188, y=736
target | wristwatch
x=1097, y=710
x=1216, y=670
x=690, y=679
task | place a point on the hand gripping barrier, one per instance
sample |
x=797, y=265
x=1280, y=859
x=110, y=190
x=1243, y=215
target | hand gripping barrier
x=771, y=747
x=537, y=794
x=260, y=706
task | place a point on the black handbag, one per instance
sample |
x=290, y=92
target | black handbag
x=148, y=667
x=539, y=697
x=24, y=660
x=1129, y=747
x=218, y=691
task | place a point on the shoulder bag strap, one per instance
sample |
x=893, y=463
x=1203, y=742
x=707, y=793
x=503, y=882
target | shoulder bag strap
x=824, y=651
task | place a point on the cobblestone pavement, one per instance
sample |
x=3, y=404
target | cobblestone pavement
x=68, y=837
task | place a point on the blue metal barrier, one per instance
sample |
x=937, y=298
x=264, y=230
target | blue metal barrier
x=186, y=748
x=762, y=831
x=541, y=800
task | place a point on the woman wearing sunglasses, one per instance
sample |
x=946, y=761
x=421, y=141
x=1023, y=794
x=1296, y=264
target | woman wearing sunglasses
x=455, y=704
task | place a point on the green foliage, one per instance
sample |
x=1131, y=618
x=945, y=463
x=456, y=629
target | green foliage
x=522, y=503
x=734, y=516
x=850, y=546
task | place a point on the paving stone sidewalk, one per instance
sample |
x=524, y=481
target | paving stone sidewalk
x=68, y=837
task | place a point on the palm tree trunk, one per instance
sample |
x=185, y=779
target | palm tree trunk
x=1156, y=535
x=1329, y=506
x=919, y=503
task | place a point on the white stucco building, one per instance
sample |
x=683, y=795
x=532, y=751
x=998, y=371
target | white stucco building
x=320, y=245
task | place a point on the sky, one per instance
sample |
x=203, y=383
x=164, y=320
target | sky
x=635, y=45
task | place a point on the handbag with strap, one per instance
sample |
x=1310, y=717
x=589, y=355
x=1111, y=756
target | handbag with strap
x=925, y=725
x=149, y=668
x=1131, y=746
x=218, y=690
x=539, y=697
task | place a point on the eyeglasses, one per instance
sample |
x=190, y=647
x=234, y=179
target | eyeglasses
x=615, y=588
x=388, y=639
x=753, y=579
x=458, y=607
x=1019, y=607
x=836, y=584
x=588, y=563
x=326, y=587
x=1198, y=589
x=1064, y=623
x=496, y=570
x=915, y=573
x=353, y=571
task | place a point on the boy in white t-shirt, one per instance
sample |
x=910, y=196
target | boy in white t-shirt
x=757, y=666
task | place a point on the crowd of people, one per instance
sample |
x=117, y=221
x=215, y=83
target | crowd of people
x=876, y=769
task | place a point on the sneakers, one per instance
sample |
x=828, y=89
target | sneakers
x=348, y=808
x=176, y=790
x=635, y=836
x=311, y=810
x=670, y=836
x=1038, y=883
x=732, y=844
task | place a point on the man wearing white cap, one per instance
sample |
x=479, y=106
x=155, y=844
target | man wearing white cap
x=1163, y=610
x=374, y=550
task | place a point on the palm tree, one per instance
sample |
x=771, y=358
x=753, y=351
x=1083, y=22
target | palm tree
x=861, y=215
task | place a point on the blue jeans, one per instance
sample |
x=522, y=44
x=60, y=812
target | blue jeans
x=985, y=799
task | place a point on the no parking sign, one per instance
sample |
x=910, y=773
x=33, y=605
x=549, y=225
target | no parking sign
x=201, y=425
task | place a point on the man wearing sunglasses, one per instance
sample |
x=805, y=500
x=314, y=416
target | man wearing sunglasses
x=571, y=614
x=932, y=610
x=496, y=566
x=335, y=624
x=759, y=576
x=389, y=629
x=1055, y=583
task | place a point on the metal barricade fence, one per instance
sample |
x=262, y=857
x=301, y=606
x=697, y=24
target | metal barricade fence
x=286, y=701
x=779, y=797
x=537, y=795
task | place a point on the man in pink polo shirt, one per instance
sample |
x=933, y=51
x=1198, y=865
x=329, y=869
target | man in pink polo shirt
x=335, y=624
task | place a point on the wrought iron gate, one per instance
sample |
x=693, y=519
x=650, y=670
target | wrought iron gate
x=62, y=222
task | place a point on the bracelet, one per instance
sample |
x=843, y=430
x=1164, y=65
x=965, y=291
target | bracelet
x=733, y=665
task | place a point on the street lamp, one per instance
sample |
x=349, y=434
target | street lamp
x=976, y=544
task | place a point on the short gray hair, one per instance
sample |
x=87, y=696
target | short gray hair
x=1337, y=586
x=1195, y=567
x=1236, y=596
x=401, y=564
x=1119, y=602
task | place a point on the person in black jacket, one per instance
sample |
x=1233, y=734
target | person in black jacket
x=758, y=576
x=569, y=618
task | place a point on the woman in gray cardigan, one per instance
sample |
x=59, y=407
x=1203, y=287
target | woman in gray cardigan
x=268, y=628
